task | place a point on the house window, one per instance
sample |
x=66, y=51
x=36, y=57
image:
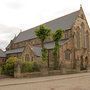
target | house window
x=27, y=57
x=67, y=54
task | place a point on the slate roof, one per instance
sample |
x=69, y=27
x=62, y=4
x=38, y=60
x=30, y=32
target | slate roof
x=2, y=53
x=11, y=42
x=13, y=51
x=65, y=22
x=37, y=49
x=50, y=45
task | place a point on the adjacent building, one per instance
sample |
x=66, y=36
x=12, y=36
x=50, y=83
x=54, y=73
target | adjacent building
x=2, y=56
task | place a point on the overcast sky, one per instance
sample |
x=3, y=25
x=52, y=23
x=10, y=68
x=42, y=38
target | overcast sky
x=24, y=14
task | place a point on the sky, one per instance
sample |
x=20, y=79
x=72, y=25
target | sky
x=20, y=15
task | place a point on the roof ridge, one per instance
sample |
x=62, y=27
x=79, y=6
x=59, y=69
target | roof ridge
x=1, y=50
x=51, y=20
x=65, y=22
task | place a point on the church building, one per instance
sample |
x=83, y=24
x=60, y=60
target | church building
x=74, y=45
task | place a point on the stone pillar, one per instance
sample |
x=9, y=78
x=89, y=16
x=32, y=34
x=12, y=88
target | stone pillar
x=87, y=67
x=78, y=66
x=63, y=68
x=0, y=70
x=89, y=61
x=17, y=69
x=44, y=69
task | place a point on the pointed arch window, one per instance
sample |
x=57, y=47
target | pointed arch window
x=78, y=39
x=83, y=35
x=87, y=40
x=67, y=54
x=82, y=16
x=27, y=58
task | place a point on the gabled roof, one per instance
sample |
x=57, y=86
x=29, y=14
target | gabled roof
x=11, y=42
x=66, y=22
x=2, y=53
x=37, y=49
x=50, y=45
x=13, y=51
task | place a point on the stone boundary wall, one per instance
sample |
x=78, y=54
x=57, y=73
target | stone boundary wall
x=50, y=73
x=31, y=75
x=45, y=72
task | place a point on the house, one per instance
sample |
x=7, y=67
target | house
x=2, y=56
x=75, y=43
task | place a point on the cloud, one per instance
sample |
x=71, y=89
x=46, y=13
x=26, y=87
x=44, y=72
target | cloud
x=6, y=34
x=3, y=44
x=6, y=29
x=14, y=4
x=26, y=14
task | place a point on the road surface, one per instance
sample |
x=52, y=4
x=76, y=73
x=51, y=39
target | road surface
x=60, y=82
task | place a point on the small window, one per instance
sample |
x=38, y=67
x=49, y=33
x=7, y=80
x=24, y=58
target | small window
x=82, y=16
x=27, y=57
x=65, y=35
x=67, y=54
x=32, y=59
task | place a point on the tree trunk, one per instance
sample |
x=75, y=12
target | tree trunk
x=48, y=58
x=42, y=44
x=45, y=62
x=56, y=56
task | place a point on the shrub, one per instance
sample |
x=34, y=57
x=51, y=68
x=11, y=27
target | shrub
x=0, y=70
x=36, y=67
x=1, y=67
x=29, y=67
x=8, y=67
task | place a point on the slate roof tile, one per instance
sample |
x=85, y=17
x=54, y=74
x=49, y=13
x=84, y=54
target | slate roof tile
x=65, y=22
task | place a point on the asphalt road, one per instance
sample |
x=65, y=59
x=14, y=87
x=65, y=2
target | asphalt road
x=60, y=82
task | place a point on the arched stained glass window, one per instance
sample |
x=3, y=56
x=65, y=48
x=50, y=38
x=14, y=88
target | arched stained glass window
x=67, y=54
x=82, y=35
x=78, y=40
x=87, y=40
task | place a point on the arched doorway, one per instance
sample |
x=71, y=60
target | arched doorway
x=84, y=63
